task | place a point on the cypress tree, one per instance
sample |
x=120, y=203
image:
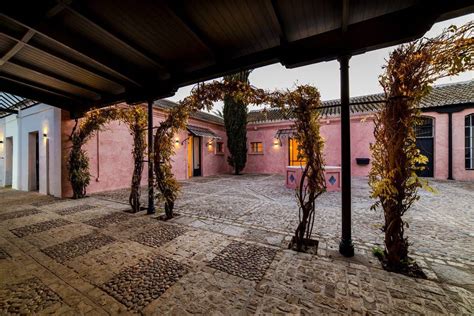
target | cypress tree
x=235, y=120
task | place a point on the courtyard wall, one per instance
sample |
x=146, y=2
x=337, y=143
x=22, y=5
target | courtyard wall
x=111, y=162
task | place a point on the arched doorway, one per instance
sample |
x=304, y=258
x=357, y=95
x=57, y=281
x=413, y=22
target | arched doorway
x=425, y=143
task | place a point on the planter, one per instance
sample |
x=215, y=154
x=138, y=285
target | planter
x=363, y=161
x=332, y=174
x=309, y=245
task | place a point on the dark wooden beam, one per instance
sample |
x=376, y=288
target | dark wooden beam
x=281, y=23
x=87, y=50
x=384, y=31
x=345, y=16
x=17, y=47
x=10, y=111
x=56, y=76
x=37, y=93
x=90, y=18
x=177, y=9
x=41, y=87
x=84, y=66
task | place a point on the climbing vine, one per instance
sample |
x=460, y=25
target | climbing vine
x=202, y=97
x=303, y=104
x=136, y=119
x=78, y=163
x=407, y=77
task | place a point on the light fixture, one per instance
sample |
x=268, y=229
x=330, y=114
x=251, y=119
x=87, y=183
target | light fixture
x=177, y=140
x=1, y=141
x=276, y=142
x=45, y=135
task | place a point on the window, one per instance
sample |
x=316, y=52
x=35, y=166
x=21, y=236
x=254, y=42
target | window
x=219, y=148
x=425, y=128
x=296, y=155
x=469, y=125
x=256, y=148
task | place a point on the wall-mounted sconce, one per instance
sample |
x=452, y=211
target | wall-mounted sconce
x=45, y=135
x=277, y=142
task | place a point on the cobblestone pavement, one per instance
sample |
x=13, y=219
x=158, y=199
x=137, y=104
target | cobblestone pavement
x=226, y=254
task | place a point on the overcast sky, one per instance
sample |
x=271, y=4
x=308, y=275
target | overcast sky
x=364, y=72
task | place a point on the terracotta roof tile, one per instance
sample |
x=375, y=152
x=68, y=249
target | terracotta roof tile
x=200, y=115
x=441, y=95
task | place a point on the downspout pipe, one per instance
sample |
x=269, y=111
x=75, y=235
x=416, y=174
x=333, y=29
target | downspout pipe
x=151, y=199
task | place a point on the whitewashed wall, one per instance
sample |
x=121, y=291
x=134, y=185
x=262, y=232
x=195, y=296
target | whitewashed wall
x=43, y=119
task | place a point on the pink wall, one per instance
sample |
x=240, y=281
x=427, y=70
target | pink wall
x=459, y=170
x=276, y=158
x=111, y=164
x=115, y=145
x=440, y=150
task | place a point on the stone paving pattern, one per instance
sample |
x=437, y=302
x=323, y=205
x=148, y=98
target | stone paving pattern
x=74, y=268
x=77, y=247
x=247, y=261
x=74, y=209
x=137, y=286
x=158, y=235
x=39, y=227
x=108, y=219
x=18, y=214
x=28, y=297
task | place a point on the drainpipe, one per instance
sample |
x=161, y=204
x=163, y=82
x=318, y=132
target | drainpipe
x=450, y=146
x=151, y=200
x=98, y=158
x=346, y=248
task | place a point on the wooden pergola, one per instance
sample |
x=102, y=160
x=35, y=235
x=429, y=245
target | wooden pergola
x=91, y=53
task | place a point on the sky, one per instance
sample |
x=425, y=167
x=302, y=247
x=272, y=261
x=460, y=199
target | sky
x=364, y=71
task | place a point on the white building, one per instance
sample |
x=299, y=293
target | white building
x=30, y=150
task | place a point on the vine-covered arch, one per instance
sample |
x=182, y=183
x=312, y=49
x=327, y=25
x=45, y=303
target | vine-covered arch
x=78, y=163
x=407, y=78
x=303, y=102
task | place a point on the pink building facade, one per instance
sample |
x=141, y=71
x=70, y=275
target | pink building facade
x=110, y=159
x=446, y=137
x=269, y=152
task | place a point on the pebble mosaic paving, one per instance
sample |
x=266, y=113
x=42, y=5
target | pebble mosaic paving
x=113, y=218
x=247, y=261
x=227, y=254
x=39, y=227
x=158, y=235
x=28, y=297
x=18, y=214
x=138, y=285
x=74, y=209
x=77, y=246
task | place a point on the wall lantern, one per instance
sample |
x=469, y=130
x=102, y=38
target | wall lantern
x=276, y=142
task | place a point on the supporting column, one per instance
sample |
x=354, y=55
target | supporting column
x=346, y=248
x=151, y=198
x=450, y=146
